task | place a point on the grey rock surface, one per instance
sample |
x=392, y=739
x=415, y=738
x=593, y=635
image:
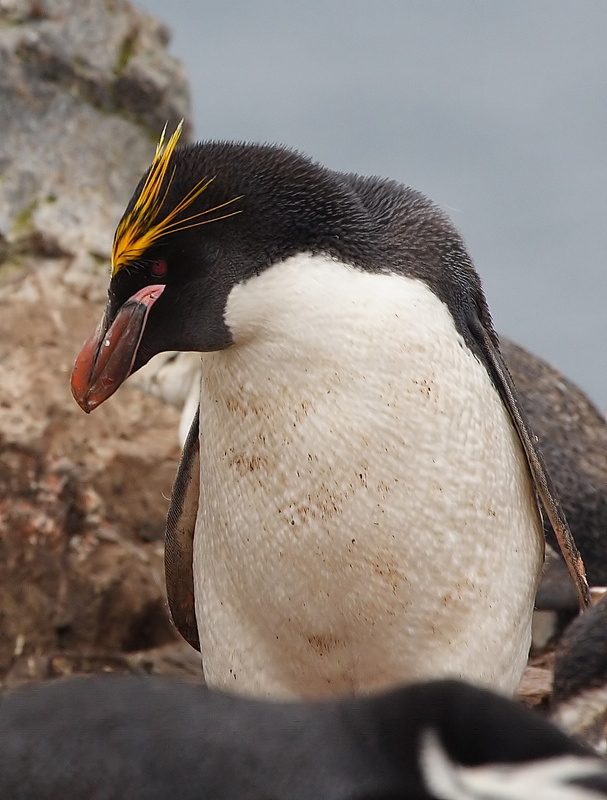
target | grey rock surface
x=85, y=88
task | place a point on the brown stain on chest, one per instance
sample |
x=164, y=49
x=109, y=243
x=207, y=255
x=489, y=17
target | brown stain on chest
x=244, y=464
x=323, y=644
x=325, y=505
x=390, y=574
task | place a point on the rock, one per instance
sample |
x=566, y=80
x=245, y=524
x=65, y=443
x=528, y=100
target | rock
x=86, y=89
x=175, y=660
x=535, y=687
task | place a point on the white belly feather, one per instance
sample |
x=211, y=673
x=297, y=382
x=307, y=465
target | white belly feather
x=366, y=513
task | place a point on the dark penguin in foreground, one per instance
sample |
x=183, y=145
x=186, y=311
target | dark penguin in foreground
x=359, y=509
x=127, y=738
x=579, y=696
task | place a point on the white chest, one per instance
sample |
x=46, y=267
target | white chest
x=366, y=514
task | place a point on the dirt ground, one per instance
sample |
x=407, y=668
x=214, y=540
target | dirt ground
x=82, y=501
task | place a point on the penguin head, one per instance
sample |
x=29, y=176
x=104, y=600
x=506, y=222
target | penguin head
x=208, y=216
x=203, y=218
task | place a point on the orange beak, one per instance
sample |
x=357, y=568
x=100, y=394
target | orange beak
x=107, y=358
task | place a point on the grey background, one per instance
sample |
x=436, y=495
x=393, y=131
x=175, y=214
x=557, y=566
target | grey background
x=496, y=109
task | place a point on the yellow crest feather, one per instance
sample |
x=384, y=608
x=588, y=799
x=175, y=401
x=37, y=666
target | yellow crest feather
x=140, y=228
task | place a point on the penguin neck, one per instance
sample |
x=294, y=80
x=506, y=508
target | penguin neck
x=311, y=323
x=324, y=351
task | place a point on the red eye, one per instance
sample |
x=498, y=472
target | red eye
x=158, y=268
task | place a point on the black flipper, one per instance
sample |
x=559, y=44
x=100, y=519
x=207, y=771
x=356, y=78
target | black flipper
x=543, y=484
x=179, y=538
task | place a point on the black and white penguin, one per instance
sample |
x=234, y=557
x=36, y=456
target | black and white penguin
x=359, y=508
x=134, y=738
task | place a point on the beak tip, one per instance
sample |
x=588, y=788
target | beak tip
x=85, y=404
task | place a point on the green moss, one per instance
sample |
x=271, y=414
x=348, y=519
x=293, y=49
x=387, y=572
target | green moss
x=11, y=267
x=125, y=53
x=23, y=223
